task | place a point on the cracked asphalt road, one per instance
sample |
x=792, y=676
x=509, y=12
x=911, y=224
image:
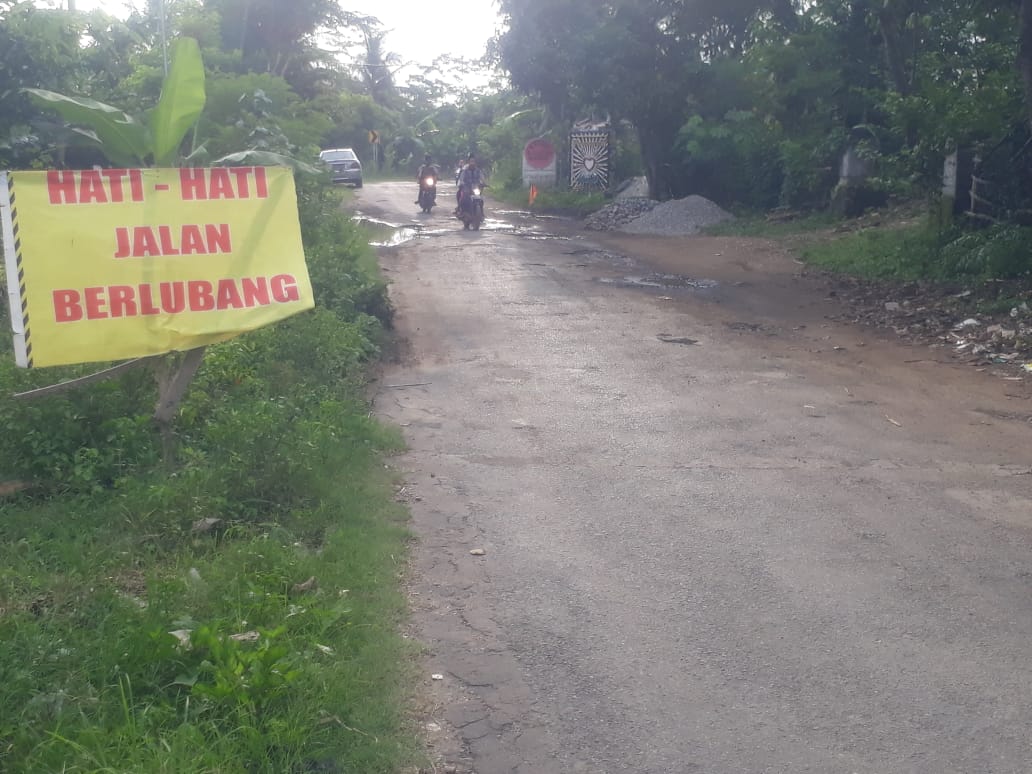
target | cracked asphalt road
x=721, y=533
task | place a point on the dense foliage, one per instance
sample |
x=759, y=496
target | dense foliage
x=753, y=102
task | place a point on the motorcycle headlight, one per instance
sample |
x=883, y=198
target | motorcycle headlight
x=428, y=182
x=476, y=192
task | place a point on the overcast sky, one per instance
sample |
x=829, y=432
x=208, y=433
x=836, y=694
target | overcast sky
x=419, y=31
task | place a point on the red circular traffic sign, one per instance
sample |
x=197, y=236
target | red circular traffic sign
x=539, y=153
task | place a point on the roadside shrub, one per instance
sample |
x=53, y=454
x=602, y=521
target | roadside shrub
x=335, y=248
x=80, y=439
x=563, y=202
x=730, y=160
x=810, y=171
x=924, y=252
x=893, y=253
x=1001, y=252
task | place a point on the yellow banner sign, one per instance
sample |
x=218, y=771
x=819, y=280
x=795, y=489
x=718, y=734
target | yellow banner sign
x=111, y=264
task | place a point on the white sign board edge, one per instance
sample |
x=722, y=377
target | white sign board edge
x=14, y=303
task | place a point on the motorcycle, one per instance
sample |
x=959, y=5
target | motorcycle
x=427, y=193
x=471, y=210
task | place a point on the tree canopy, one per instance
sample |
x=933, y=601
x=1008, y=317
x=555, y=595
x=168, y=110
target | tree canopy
x=753, y=101
x=282, y=77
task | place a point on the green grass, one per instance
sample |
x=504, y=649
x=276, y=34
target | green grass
x=552, y=201
x=903, y=243
x=761, y=226
x=904, y=253
x=922, y=251
x=93, y=681
x=100, y=560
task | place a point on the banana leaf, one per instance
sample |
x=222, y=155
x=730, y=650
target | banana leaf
x=265, y=159
x=122, y=139
x=181, y=102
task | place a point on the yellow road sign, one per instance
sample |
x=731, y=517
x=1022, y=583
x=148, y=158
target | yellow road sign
x=120, y=263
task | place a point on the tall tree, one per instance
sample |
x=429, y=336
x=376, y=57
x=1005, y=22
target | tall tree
x=639, y=60
x=379, y=67
x=1025, y=54
x=38, y=49
x=276, y=37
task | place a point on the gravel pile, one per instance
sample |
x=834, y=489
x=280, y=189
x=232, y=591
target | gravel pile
x=618, y=213
x=678, y=217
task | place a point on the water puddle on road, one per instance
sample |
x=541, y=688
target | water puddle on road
x=398, y=236
x=380, y=233
x=661, y=282
x=522, y=230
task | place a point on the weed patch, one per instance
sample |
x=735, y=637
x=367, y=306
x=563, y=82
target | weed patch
x=922, y=252
x=899, y=244
x=904, y=253
x=554, y=201
x=760, y=226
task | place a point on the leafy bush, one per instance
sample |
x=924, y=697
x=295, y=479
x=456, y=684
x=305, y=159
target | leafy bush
x=94, y=437
x=560, y=201
x=1001, y=252
x=77, y=440
x=899, y=253
x=730, y=160
x=923, y=252
x=335, y=248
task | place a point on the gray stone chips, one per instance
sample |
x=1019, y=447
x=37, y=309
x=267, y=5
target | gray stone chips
x=678, y=217
x=619, y=212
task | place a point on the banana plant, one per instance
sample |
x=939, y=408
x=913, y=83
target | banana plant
x=156, y=136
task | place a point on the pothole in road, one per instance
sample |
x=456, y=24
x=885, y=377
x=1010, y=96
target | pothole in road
x=668, y=338
x=667, y=281
x=398, y=237
x=517, y=229
x=382, y=233
x=540, y=237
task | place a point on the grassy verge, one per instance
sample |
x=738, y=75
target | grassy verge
x=763, y=226
x=552, y=201
x=921, y=251
x=239, y=610
x=902, y=244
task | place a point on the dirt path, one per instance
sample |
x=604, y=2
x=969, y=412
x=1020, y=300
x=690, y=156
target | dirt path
x=720, y=533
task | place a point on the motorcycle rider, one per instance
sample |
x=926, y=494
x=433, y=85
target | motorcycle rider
x=459, y=169
x=429, y=169
x=470, y=178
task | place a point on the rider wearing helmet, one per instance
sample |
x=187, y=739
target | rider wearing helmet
x=429, y=169
x=470, y=178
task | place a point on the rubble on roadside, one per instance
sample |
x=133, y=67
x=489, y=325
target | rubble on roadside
x=986, y=324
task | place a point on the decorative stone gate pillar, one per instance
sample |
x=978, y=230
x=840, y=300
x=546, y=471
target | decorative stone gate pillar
x=589, y=159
